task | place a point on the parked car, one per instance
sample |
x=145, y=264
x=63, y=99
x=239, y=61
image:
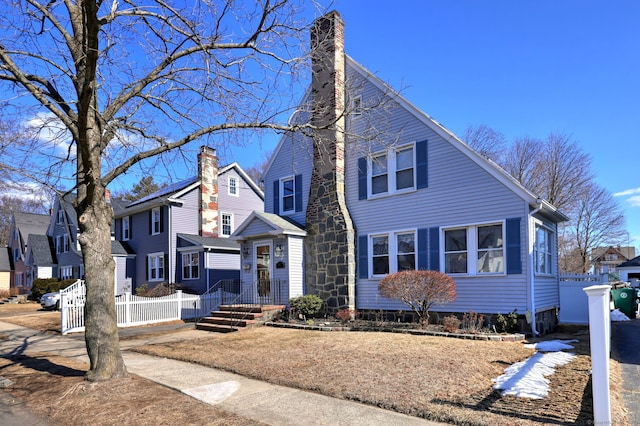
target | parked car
x=50, y=300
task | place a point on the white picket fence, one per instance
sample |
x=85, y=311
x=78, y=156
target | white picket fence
x=135, y=310
x=574, y=303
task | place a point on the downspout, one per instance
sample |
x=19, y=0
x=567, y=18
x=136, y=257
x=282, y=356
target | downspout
x=206, y=267
x=532, y=307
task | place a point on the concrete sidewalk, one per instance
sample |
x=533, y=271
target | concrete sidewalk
x=252, y=399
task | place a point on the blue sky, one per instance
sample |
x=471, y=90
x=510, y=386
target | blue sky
x=525, y=68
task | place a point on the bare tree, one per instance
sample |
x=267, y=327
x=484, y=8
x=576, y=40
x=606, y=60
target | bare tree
x=521, y=160
x=486, y=141
x=13, y=204
x=110, y=85
x=598, y=221
x=256, y=171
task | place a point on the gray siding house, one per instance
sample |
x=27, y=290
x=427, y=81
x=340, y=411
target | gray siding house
x=179, y=234
x=382, y=187
x=23, y=227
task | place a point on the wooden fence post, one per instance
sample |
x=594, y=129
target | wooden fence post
x=600, y=335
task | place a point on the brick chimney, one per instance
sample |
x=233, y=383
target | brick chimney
x=330, y=243
x=208, y=174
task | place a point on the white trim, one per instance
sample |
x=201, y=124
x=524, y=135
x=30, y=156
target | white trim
x=391, y=156
x=126, y=219
x=190, y=254
x=157, y=255
x=392, y=253
x=221, y=225
x=281, y=209
x=472, y=249
x=153, y=220
x=235, y=186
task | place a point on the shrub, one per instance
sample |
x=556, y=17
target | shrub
x=346, y=315
x=42, y=286
x=472, y=322
x=508, y=323
x=451, y=324
x=307, y=305
x=419, y=290
x=158, y=290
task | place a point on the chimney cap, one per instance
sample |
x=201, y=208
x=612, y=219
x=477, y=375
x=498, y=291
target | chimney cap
x=207, y=149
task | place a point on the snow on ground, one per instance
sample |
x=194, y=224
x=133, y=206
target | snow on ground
x=528, y=378
x=616, y=315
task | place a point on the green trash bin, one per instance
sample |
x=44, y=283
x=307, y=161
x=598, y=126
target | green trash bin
x=624, y=299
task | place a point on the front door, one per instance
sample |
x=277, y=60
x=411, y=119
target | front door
x=263, y=269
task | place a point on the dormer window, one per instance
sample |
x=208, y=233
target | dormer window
x=60, y=220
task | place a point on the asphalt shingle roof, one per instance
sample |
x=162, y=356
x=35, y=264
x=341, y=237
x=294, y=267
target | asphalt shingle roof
x=41, y=250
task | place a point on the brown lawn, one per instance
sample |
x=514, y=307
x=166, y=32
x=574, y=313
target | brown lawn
x=437, y=378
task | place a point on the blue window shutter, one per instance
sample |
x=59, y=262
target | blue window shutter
x=423, y=249
x=161, y=219
x=363, y=256
x=362, y=178
x=514, y=252
x=298, y=194
x=434, y=248
x=276, y=196
x=422, y=166
x=150, y=221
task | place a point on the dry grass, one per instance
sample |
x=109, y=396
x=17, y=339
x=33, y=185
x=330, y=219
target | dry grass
x=437, y=378
x=54, y=388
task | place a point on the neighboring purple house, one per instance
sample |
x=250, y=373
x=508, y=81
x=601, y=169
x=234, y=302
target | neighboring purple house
x=179, y=234
x=344, y=209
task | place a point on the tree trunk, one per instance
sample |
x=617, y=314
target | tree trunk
x=101, y=325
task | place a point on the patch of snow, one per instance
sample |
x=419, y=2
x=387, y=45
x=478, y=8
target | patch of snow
x=527, y=379
x=616, y=315
x=551, y=345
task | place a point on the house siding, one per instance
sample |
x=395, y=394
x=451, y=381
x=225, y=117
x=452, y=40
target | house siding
x=459, y=192
x=142, y=243
x=295, y=157
x=295, y=267
x=242, y=205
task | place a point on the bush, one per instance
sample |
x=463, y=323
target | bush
x=451, y=324
x=158, y=290
x=419, y=290
x=307, y=305
x=346, y=315
x=508, y=323
x=472, y=322
x=42, y=286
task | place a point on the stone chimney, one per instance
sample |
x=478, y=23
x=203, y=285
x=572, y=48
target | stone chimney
x=330, y=267
x=208, y=174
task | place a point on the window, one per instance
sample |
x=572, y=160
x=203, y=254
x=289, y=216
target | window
x=226, y=226
x=474, y=250
x=288, y=195
x=155, y=263
x=356, y=106
x=155, y=221
x=190, y=270
x=542, y=250
x=60, y=220
x=233, y=185
x=59, y=244
x=66, y=272
x=393, y=171
x=126, y=234
x=393, y=252
x=65, y=243
x=16, y=254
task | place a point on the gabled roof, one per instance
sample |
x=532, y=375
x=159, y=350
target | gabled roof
x=6, y=260
x=535, y=202
x=277, y=226
x=41, y=250
x=159, y=197
x=625, y=252
x=210, y=242
x=121, y=248
x=633, y=263
x=244, y=175
x=31, y=223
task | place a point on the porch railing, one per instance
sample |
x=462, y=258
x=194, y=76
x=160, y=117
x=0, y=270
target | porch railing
x=261, y=293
